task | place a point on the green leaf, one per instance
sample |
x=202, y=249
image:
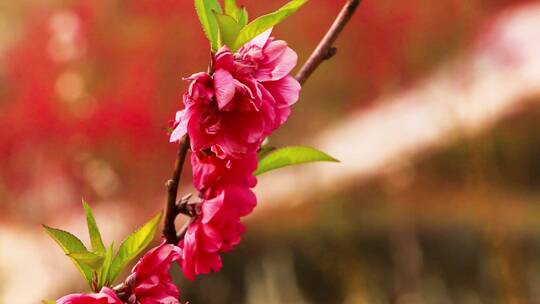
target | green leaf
x=209, y=23
x=133, y=245
x=88, y=258
x=48, y=302
x=243, y=17
x=228, y=29
x=103, y=273
x=291, y=156
x=93, y=230
x=231, y=8
x=70, y=243
x=238, y=13
x=263, y=23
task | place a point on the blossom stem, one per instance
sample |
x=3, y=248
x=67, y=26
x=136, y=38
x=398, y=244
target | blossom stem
x=325, y=49
x=172, y=211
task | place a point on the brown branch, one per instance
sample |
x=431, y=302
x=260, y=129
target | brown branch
x=172, y=211
x=325, y=49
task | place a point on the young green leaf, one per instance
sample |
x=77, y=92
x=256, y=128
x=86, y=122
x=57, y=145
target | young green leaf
x=93, y=230
x=291, y=156
x=103, y=273
x=70, y=243
x=228, y=29
x=231, y=8
x=133, y=245
x=263, y=23
x=243, y=17
x=88, y=258
x=238, y=13
x=204, y=10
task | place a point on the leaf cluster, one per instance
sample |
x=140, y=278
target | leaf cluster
x=230, y=26
x=101, y=265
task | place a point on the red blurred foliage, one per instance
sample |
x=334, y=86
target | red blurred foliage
x=101, y=79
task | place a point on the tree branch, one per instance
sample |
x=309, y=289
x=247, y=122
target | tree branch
x=172, y=211
x=325, y=49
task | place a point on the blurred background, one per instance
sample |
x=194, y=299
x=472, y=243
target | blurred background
x=432, y=107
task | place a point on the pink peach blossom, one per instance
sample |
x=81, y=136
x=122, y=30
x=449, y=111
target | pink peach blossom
x=200, y=247
x=217, y=229
x=105, y=296
x=225, y=190
x=233, y=130
x=248, y=96
x=270, y=62
x=223, y=212
x=152, y=282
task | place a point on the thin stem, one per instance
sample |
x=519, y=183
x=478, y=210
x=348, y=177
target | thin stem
x=169, y=229
x=325, y=49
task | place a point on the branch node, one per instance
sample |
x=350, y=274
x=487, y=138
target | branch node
x=184, y=206
x=354, y=3
x=331, y=52
x=186, y=197
x=324, y=50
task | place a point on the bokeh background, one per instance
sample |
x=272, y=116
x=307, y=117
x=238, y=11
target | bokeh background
x=433, y=107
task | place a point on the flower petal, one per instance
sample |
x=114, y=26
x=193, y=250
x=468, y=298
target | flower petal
x=211, y=207
x=260, y=40
x=278, y=68
x=181, y=128
x=224, y=87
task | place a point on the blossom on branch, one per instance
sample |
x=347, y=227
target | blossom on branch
x=225, y=190
x=149, y=283
x=151, y=277
x=227, y=115
x=248, y=96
